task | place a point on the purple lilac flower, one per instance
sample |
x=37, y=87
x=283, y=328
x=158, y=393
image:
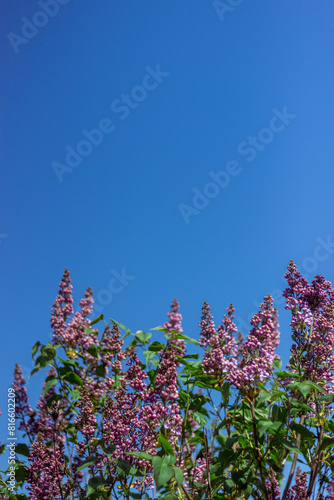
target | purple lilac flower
x=220, y=357
x=86, y=304
x=62, y=307
x=46, y=470
x=72, y=335
x=207, y=325
x=175, y=325
x=312, y=308
x=258, y=351
x=22, y=407
x=166, y=379
x=198, y=471
x=299, y=491
x=41, y=421
x=86, y=422
x=273, y=487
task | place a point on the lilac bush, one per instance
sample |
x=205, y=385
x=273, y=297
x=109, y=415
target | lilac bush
x=112, y=423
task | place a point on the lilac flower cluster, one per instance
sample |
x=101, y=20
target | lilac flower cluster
x=35, y=422
x=312, y=308
x=197, y=472
x=72, y=335
x=220, y=357
x=132, y=420
x=22, y=408
x=62, y=307
x=86, y=421
x=255, y=355
x=258, y=351
x=299, y=491
x=46, y=471
x=273, y=487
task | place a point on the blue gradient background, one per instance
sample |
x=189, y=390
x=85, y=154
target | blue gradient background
x=120, y=207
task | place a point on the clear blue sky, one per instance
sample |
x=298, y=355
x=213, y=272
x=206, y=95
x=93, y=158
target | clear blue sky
x=181, y=91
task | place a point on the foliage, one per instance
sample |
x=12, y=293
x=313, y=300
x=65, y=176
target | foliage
x=108, y=425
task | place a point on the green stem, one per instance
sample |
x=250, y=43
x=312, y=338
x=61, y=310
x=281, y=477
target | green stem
x=294, y=463
x=257, y=452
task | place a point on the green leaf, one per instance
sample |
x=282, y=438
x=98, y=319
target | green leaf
x=156, y=347
x=263, y=426
x=90, y=331
x=286, y=374
x=191, y=356
x=93, y=350
x=97, y=319
x=199, y=418
x=50, y=383
x=181, y=336
x=317, y=387
x=327, y=397
x=264, y=396
x=95, y=482
x=73, y=378
x=20, y=471
x=136, y=496
x=178, y=476
x=128, y=332
x=108, y=450
x=303, y=431
x=100, y=371
x=290, y=446
x=298, y=404
x=155, y=362
x=160, y=329
x=143, y=337
x=304, y=388
x=123, y=465
x=48, y=351
x=184, y=397
x=230, y=483
x=70, y=362
x=168, y=448
x=149, y=355
x=162, y=472
x=75, y=394
x=141, y=454
x=55, y=397
x=278, y=395
x=230, y=442
x=89, y=461
x=277, y=364
x=225, y=390
x=35, y=349
x=35, y=370
x=263, y=387
x=244, y=441
x=326, y=442
x=22, y=449
x=169, y=459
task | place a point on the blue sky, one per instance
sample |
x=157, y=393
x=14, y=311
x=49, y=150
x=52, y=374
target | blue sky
x=184, y=146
